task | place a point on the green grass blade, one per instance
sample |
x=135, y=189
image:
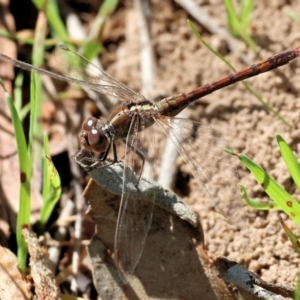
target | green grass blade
x=216, y=53
x=258, y=204
x=23, y=217
x=245, y=21
x=93, y=46
x=292, y=237
x=34, y=81
x=15, y=37
x=266, y=105
x=239, y=24
x=283, y=199
x=232, y=18
x=258, y=97
x=294, y=15
x=36, y=97
x=39, y=38
x=108, y=7
x=51, y=42
x=52, y=191
x=53, y=16
x=23, y=111
x=91, y=49
x=46, y=181
x=18, y=93
x=51, y=186
x=248, y=40
x=246, y=13
x=289, y=159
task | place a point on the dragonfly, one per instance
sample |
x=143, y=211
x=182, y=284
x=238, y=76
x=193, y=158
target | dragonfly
x=131, y=121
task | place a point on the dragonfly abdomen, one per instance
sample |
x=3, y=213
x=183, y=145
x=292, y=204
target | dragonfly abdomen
x=171, y=106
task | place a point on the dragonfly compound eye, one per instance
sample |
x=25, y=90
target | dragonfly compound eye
x=97, y=140
x=91, y=136
x=89, y=124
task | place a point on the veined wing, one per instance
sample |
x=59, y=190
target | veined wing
x=203, y=150
x=135, y=215
x=81, y=71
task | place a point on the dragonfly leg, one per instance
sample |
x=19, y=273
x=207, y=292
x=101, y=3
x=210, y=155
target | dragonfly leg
x=80, y=158
x=142, y=157
x=115, y=159
x=104, y=155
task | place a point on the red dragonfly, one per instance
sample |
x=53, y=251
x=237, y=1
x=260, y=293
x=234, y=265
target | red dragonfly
x=132, y=120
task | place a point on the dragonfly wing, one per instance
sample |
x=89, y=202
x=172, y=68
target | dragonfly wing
x=135, y=214
x=202, y=148
x=81, y=71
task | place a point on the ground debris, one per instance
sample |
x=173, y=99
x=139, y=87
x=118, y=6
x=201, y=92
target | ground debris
x=12, y=283
x=43, y=279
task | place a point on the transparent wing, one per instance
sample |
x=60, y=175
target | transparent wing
x=203, y=150
x=135, y=215
x=81, y=71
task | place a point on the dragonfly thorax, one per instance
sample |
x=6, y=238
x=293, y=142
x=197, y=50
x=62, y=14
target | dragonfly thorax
x=123, y=117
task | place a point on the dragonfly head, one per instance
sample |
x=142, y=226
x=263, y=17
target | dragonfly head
x=91, y=136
